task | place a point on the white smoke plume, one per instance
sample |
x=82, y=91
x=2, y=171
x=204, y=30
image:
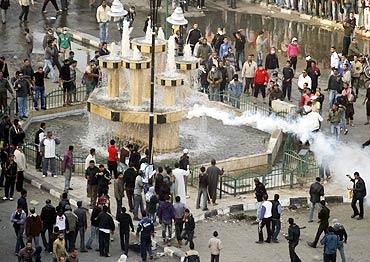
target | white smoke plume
x=341, y=158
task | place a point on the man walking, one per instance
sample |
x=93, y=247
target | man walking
x=48, y=216
x=146, y=230
x=276, y=212
x=33, y=227
x=214, y=174
x=20, y=159
x=94, y=229
x=4, y=6
x=288, y=75
x=259, y=192
x=54, y=3
x=125, y=223
x=166, y=215
x=323, y=216
x=71, y=227
x=49, y=154
x=39, y=86
x=293, y=239
x=29, y=43
x=215, y=246
x=92, y=182
x=265, y=220
x=138, y=198
x=260, y=82
x=340, y=231
x=129, y=178
x=18, y=219
x=193, y=37
x=179, y=223
x=64, y=42
x=202, y=189
x=330, y=242
x=239, y=49
x=10, y=178
x=67, y=168
x=359, y=193
x=316, y=192
x=81, y=228
x=25, y=5
x=106, y=227
x=103, y=19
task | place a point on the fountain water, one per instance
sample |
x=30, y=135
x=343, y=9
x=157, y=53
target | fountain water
x=188, y=65
x=125, y=42
x=170, y=70
x=188, y=56
x=161, y=34
x=136, y=54
x=148, y=33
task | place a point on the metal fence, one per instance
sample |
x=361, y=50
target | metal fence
x=54, y=99
x=79, y=161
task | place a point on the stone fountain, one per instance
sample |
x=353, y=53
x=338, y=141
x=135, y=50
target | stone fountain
x=188, y=64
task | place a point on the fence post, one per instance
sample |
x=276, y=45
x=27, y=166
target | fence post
x=234, y=187
x=221, y=178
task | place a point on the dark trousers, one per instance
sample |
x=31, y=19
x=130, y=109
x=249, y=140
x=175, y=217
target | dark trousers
x=293, y=60
x=323, y=227
x=9, y=186
x=19, y=244
x=38, y=158
x=24, y=13
x=179, y=224
x=81, y=231
x=356, y=84
x=2, y=175
x=188, y=236
x=112, y=167
x=200, y=3
x=361, y=205
x=276, y=226
x=293, y=255
x=54, y=2
x=130, y=198
x=70, y=240
x=145, y=247
x=125, y=240
x=19, y=183
x=104, y=239
x=215, y=258
x=248, y=84
x=330, y=257
x=287, y=90
x=346, y=43
x=265, y=222
x=46, y=243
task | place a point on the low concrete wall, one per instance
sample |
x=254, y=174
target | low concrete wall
x=273, y=147
x=283, y=107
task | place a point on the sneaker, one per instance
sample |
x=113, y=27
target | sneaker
x=44, y=12
x=346, y=131
x=259, y=242
x=70, y=188
x=55, y=176
x=11, y=199
x=43, y=175
x=5, y=198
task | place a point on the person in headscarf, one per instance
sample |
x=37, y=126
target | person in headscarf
x=151, y=203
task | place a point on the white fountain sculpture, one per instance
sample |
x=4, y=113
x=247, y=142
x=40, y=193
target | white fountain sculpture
x=114, y=51
x=117, y=9
x=161, y=34
x=171, y=63
x=125, y=41
x=148, y=33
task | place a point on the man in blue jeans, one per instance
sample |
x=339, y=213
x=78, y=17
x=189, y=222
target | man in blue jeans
x=23, y=89
x=103, y=19
x=39, y=89
x=18, y=219
x=47, y=149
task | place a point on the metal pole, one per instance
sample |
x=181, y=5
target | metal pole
x=166, y=25
x=152, y=79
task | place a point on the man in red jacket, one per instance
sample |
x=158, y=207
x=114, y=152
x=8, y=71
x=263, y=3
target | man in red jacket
x=260, y=82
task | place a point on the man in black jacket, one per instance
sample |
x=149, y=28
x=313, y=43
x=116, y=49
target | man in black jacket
x=125, y=223
x=92, y=182
x=316, y=192
x=129, y=177
x=4, y=88
x=5, y=126
x=293, y=238
x=189, y=227
x=65, y=78
x=359, y=193
x=260, y=191
x=239, y=49
x=39, y=133
x=48, y=216
x=334, y=84
x=16, y=134
x=22, y=201
x=106, y=227
x=323, y=216
x=23, y=90
x=193, y=37
x=288, y=75
x=81, y=228
x=103, y=178
x=272, y=61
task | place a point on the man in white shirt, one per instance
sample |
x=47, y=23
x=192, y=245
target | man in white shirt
x=179, y=188
x=90, y=157
x=334, y=58
x=302, y=79
x=25, y=5
x=248, y=73
x=20, y=159
x=265, y=218
x=215, y=246
x=103, y=19
x=49, y=154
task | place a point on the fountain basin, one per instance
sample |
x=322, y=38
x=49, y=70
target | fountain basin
x=146, y=48
x=187, y=65
x=113, y=65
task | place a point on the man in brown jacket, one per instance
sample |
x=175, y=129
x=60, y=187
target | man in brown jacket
x=33, y=227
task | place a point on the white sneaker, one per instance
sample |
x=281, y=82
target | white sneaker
x=5, y=198
x=43, y=176
x=11, y=199
x=55, y=176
